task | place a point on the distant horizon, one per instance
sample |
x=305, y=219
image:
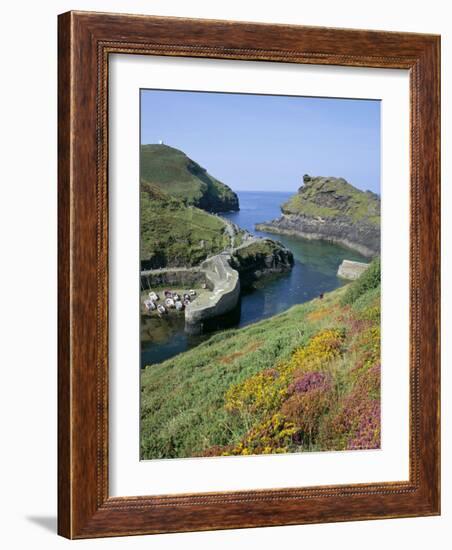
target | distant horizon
x=265, y=143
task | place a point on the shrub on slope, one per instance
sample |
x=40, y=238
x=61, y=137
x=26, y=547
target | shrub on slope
x=308, y=379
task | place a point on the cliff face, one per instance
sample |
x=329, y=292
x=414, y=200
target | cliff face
x=331, y=209
x=260, y=258
x=184, y=179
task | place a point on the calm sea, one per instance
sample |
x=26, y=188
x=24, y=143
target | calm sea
x=314, y=272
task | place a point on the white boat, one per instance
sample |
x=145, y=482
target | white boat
x=149, y=305
x=179, y=305
x=192, y=292
x=153, y=296
x=161, y=309
x=169, y=302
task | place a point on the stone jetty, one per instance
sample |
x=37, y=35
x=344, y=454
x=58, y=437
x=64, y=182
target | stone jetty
x=221, y=276
x=224, y=283
x=351, y=270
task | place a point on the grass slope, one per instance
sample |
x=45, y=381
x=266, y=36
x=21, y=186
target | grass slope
x=333, y=198
x=307, y=379
x=179, y=176
x=176, y=235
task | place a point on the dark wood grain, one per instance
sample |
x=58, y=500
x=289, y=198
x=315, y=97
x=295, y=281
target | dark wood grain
x=64, y=295
x=85, y=42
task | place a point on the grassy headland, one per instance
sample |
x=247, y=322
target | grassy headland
x=179, y=176
x=334, y=198
x=176, y=235
x=331, y=209
x=305, y=380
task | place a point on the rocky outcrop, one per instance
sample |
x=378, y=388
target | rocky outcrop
x=363, y=239
x=216, y=202
x=259, y=258
x=331, y=209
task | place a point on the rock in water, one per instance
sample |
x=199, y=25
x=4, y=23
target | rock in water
x=259, y=258
x=331, y=209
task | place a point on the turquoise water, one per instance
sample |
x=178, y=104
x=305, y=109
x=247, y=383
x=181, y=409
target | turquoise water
x=314, y=272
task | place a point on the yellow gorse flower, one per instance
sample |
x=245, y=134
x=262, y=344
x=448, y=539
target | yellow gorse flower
x=270, y=436
x=264, y=391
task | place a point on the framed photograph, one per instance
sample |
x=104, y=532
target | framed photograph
x=248, y=275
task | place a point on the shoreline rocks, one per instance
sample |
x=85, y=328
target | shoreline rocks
x=331, y=209
x=260, y=258
x=337, y=232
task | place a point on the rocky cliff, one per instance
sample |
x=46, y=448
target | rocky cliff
x=184, y=179
x=331, y=209
x=260, y=258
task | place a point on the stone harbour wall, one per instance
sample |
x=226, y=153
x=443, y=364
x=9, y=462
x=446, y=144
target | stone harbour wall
x=222, y=276
x=185, y=277
x=225, y=285
x=362, y=237
x=351, y=270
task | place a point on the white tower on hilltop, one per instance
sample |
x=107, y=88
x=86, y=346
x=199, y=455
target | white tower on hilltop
x=160, y=141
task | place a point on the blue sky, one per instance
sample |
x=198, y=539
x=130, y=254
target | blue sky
x=267, y=143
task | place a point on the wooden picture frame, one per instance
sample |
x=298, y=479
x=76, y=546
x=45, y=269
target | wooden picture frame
x=86, y=40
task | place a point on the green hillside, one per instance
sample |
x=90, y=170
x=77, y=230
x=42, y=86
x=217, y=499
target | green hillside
x=334, y=198
x=304, y=380
x=184, y=179
x=176, y=235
